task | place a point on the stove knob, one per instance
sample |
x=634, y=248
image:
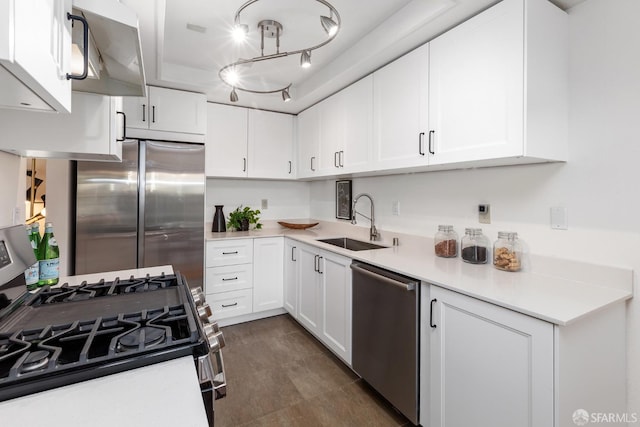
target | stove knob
x=214, y=326
x=204, y=312
x=198, y=296
x=216, y=340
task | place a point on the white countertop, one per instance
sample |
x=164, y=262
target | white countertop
x=554, y=290
x=164, y=394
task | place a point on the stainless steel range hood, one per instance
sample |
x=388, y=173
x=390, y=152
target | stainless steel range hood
x=115, y=51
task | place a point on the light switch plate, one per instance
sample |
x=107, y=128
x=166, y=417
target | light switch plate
x=559, y=218
x=484, y=214
x=395, y=208
x=265, y=204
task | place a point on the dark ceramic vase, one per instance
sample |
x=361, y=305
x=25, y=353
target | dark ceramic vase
x=219, y=224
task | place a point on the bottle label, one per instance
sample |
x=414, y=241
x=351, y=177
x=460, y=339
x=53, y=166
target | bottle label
x=49, y=269
x=53, y=241
x=31, y=275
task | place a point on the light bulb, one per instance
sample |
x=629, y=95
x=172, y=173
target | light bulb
x=305, y=59
x=239, y=32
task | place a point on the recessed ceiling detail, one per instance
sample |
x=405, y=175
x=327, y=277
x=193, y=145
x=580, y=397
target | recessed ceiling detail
x=233, y=74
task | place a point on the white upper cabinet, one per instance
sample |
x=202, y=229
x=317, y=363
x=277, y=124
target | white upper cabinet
x=270, y=145
x=167, y=110
x=35, y=54
x=226, y=141
x=400, y=111
x=93, y=131
x=498, y=87
x=308, y=140
x=248, y=143
x=345, y=129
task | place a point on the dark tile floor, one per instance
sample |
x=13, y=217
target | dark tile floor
x=280, y=375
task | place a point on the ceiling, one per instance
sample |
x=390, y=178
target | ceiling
x=372, y=34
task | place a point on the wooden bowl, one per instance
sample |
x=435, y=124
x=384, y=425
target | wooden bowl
x=297, y=226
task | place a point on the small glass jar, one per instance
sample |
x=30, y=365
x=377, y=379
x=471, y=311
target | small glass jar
x=475, y=246
x=446, y=242
x=507, y=252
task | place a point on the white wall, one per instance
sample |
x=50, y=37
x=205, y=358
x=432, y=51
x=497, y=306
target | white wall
x=599, y=185
x=286, y=199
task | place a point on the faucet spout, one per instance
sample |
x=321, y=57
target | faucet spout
x=373, y=231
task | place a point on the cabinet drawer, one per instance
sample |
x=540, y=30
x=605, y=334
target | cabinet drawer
x=229, y=252
x=229, y=278
x=230, y=304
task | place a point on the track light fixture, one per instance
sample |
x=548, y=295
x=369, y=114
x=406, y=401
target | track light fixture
x=270, y=28
x=305, y=59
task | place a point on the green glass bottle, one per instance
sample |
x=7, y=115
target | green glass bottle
x=31, y=274
x=48, y=257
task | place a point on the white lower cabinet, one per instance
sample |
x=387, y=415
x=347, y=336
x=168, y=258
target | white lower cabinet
x=484, y=365
x=268, y=273
x=290, y=297
x=324, y=297
x=244, y=276
x=489, y=366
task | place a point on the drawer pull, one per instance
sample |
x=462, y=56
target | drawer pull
x=230, y=253
x=232, y=278
x=229, y=305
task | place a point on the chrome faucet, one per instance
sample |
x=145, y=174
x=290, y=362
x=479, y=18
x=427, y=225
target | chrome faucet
x=373, y=232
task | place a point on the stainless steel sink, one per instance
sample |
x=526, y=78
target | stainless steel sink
x=351, y=244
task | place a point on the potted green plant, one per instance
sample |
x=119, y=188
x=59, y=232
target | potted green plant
x=240, y=219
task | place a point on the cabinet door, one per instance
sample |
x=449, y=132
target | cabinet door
x=309, y=299
x=291, y=277
x=268, y=273
x=270, y=145
x=358, y=125
x=308, y=140
x=476, y=87
x=40, y=55
x=489, y=366
x=177, y=111
x=336, y=304
x=332, y=124
x=89, y=133
x=400, y=111
x=137, y=110
x=226, y=141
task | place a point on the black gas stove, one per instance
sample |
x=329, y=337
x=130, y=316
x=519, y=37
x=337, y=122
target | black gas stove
x=65, y=334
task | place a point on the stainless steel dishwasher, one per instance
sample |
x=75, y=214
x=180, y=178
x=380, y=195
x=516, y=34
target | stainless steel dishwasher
x=386, y=335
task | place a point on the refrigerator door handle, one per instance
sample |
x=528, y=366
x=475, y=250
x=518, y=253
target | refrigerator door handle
x=142, y=186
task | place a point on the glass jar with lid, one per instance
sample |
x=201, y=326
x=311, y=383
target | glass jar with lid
x=446, y=242
x=475, y=246
x=507, y=252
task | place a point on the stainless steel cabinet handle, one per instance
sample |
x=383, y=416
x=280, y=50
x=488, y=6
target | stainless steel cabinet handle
x=421, y=143
x=144, y=110
x=230, y=253
x=229, y=305
x=319, y=258
x=244, y=164
x=85, y=38
x=289, y=166
x=293, y=248
x=312, y=169
x=315, y=264
x=232, y=278
x=153, y=114
x=124, y=126
x=431, y=314
x=431, y=135
x=341, y=159
x=335, y=159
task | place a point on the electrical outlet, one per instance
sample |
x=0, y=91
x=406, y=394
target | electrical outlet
x=395, y=208
x=265, y=204
x=559, y=218
x=484, y=214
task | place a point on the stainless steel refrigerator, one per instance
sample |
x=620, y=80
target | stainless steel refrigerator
x=147, y=210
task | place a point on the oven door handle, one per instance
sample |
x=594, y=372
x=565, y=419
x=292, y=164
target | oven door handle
x=211, y=373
